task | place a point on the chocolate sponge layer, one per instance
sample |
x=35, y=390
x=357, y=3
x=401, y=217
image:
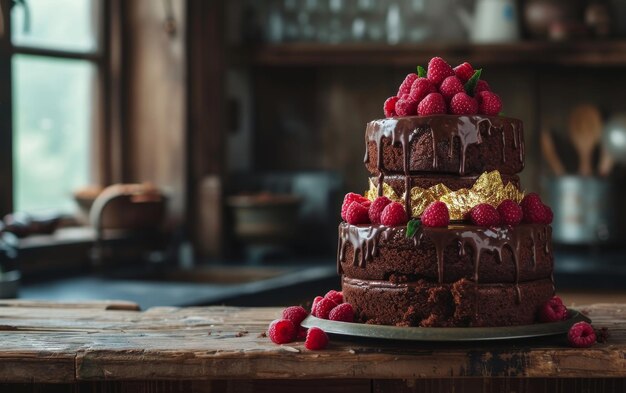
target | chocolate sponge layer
x=462, y=303
x=486, y=255
x=451, y=144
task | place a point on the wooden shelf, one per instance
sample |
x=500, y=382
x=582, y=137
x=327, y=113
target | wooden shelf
x=587, y=53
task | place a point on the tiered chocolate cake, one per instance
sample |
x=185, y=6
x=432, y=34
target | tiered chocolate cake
x=460, y=274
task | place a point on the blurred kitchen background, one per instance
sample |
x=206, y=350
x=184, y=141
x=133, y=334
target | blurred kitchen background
x=182, y=152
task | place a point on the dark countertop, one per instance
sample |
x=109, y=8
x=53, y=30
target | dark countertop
x=590, y=268
x=295, y=284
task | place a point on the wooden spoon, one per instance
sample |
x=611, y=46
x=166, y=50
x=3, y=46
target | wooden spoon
x=585, y=130
x=606, y=162
x=549, y=153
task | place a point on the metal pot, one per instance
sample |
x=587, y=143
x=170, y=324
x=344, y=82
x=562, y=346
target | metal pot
x=583, y=210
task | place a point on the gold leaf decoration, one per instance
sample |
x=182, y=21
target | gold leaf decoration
x=389, y=192
x=488, y=188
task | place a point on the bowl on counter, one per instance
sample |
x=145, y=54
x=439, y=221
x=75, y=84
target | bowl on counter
x=122, y=206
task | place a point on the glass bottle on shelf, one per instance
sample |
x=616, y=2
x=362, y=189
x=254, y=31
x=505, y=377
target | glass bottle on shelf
x=417, y=26
x=374, y=17
x=394, y=26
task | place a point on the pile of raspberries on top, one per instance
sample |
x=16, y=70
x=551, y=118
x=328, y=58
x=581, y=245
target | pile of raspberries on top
x=441, y=89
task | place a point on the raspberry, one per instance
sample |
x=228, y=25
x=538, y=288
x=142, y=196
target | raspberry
x=530, y=201
x=462, y=104
x=323, y=308
x=464, y=71
x=438, y=70
x=314, y=305
x=357, y=214
x=436, y=215
x=393, y=215
x=546, y=215
x=390, y=106
x=581, y=335
x=481, y=85
x=335, y=296
x=316, y=339
x=535, y=212
x=510, y=212
x=347, y=201
x=295, y=314
x=488, y=103
x=421, y=88
x=553, y=310
x=451, y=86
x=406, y=106
x=377, y=208
x=282, y=331
x=343, y=312
x=405, y=86
x=432, y=104
x=484, y=215
x=301, y=333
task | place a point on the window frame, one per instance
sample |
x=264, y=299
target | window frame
x=102, y=122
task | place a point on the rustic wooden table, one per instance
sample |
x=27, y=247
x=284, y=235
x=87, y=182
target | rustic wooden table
x=113, y=347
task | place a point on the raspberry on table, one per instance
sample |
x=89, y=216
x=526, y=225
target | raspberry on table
x=377, y=207
x=390, y=106
x=581, y=335
x=462, y=104
x=347, y=201
x=438, y=70
x=295, y=314
x=436, y=215
x=335, y=296
x=484, y=215
x=393, y=215
x=405, y=86
x=450, y=87
x=510, y=212
x=553, y=310
x=323, y=308
x=464, y=71
x=316, y=339
x=357, y=214
x=314, y=305
x=282, y=331
x=432, y=104
x=343, y=313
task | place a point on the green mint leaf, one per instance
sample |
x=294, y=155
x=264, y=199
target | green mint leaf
x=421, y=72
x=470, y=85
x=501, y=114
x=411, y=227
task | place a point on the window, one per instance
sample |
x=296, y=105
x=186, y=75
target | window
x=53, y=59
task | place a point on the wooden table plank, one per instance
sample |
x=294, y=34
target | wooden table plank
x=166, y=343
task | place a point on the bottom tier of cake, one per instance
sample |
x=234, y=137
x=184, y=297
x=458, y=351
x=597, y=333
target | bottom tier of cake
x=462, y=303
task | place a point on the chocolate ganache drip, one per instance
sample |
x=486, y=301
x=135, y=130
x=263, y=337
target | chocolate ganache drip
x=365, y=243
x=466, y=129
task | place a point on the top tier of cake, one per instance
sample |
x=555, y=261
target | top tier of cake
x=444, y=144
